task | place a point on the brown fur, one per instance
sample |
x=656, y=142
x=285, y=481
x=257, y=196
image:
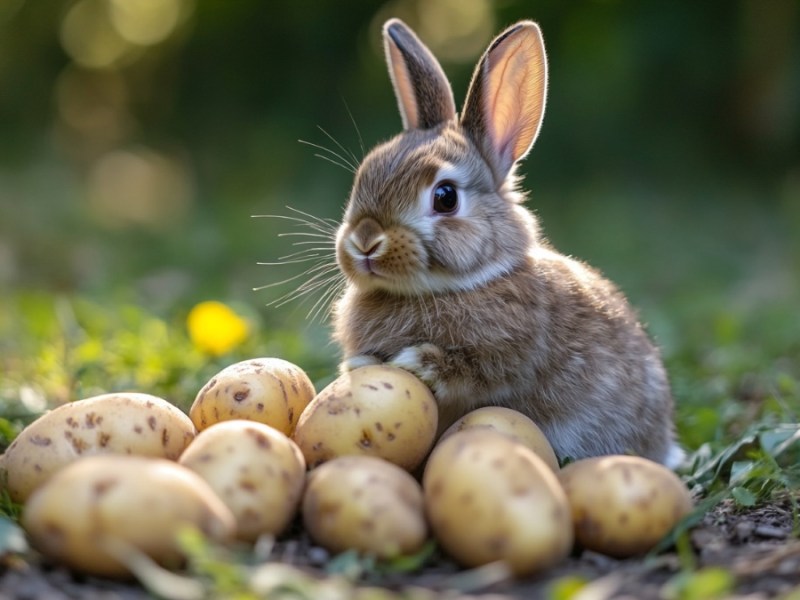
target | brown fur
x=477, y=305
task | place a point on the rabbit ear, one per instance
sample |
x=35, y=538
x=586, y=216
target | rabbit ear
x=505, y=102
x=423, y=92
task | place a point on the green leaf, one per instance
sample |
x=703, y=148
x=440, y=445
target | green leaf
x=566, y=588
x=778, y=440
x=7, y=432
x=410, y=562
x=743, y=496
x=705, y=584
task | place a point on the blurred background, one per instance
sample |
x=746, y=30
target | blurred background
x=138, y=137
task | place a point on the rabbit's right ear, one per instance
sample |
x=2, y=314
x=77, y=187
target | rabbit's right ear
x=423, y=92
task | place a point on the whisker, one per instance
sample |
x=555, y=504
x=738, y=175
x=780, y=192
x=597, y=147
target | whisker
x=343, y=165
x=344, y=159
x=314, y=281
x=322, y=221
x=331, y=248
x=314, y=238
x=276, y=283
x=302, y=293
x=329, y=224
x=325, y=301
x=341, y=147
x=311, y=252
x=355, y=126
x=283, y=261
x=327, y=230
x=320, y=270
x=305, y=233
x=308, y=271
x=335, y=158
x=320, y=279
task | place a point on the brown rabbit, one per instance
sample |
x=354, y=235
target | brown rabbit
x=449, y=278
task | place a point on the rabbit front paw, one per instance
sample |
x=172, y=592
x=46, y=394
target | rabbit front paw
x=422, y=361
x=359, y=360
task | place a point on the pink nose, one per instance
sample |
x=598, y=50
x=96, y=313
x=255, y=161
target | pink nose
x=368, y=237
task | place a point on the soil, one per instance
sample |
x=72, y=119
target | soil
x=758, y=546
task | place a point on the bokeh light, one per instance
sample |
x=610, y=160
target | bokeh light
x=454, y=30
x=90, y=40
x=93, y=110
x=138, y=187
x=110, y=33
x=146, y=22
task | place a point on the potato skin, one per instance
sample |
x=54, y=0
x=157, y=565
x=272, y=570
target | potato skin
x=257, y=471
x=120, y=423
x=364, y=503
x=489, y=498
x=141, y=502
x=512, y=423
x=375, y=410
x=268, y=390
x=623, y=505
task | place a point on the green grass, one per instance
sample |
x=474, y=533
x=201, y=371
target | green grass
x=731, y=343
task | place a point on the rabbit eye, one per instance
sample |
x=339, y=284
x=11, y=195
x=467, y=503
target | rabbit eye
x=445, y=198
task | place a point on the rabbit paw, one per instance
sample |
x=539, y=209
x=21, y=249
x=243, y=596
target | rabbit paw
x=422, y=361
x=359, y=360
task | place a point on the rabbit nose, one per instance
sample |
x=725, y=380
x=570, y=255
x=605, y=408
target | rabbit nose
x=368, y=237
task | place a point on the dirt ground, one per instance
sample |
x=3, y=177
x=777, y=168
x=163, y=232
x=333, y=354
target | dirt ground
x=757, y=546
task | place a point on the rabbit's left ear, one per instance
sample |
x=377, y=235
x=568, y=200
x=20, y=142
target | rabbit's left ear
x=505, y=103
x=423, y=92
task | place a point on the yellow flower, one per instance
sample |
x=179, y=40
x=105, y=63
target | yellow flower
x=215, y=328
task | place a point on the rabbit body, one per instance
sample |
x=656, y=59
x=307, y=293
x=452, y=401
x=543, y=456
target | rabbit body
x=449, y=278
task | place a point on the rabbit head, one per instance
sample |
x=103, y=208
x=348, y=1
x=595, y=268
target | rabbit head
x=436, y=208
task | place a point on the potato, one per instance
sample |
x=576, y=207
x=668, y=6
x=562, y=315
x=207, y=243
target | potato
x=268, y=390
x=96, y=505
x=372, y=411
x=364, y=503
x=121, y=423
x=623, y=505
x=489, y=498
x=510, y=422
x=256, y=470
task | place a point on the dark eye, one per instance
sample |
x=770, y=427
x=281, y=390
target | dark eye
x=445, y=198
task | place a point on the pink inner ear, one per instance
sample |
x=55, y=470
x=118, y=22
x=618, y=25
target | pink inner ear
x=514, y=94
x=406, y=99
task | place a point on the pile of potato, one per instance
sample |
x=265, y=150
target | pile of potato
x=109, y=477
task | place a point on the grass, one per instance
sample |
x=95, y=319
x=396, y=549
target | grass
x=730, y=341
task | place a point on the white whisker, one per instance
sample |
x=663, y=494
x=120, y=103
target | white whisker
x=322, y=226
x=282, y=261
x=308, y=252
x=325, y=301
x=320, y=281
x=345, y=160
x=302, y=293
x=276, y=283
x=330, y=223
x=355, y=126
x=305, y=234
x=342, y=148
x=332, y=156
x=338, y=163
x=305, y=255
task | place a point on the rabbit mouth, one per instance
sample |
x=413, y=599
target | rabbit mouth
x=366, y=266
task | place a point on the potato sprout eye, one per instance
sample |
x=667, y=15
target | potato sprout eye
x=445, y=198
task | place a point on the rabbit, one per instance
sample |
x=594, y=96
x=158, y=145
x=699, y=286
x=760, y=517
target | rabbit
x=448, y=276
